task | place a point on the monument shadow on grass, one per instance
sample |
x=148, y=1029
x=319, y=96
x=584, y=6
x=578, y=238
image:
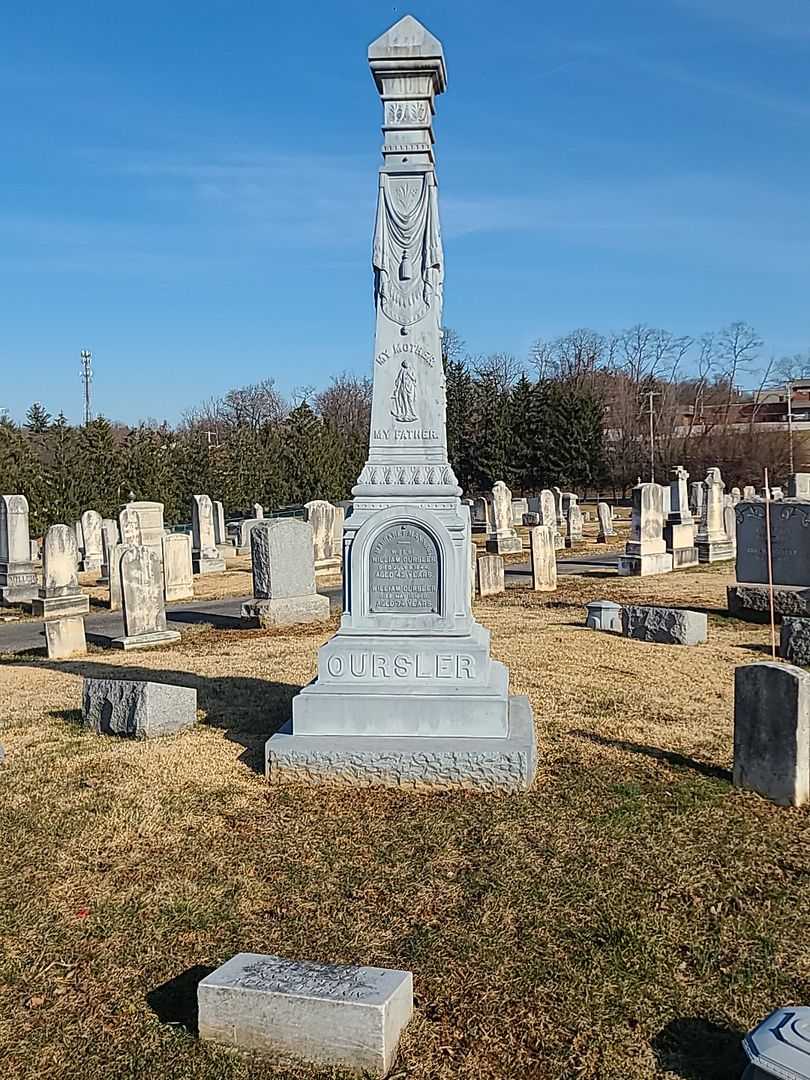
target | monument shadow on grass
x=671, y=757
x=697, y=1049
x=175, y=1001
x=248, y=710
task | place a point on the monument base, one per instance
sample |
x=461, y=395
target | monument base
x=684, y=557
x=645, y=565
x=505, y=545
x=91, y=563
x=65, y=637
x=412, y=762
x=327, y=566
x=18, y=583
x=711, y=551
x=286, y=611
x=146, y=641
x=59, y=607
x=752, y=602
x=207, y=566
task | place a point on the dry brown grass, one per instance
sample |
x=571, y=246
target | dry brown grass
x=628, y=917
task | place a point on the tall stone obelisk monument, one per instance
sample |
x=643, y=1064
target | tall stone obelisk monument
x=407, y=692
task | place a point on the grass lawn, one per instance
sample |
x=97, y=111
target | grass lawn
x=627, y=918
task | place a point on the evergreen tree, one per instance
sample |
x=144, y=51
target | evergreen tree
x=523, y=435
x=62, y=474
x=102, y=474
x=492, y=443
x=37, y=419
x=194, y=471
x=149, y=469
x=460, y=390
x=312, y=457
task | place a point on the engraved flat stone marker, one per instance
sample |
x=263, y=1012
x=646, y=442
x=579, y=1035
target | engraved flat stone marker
x=141, y=571
x=780, y=1045
x=327, y=1014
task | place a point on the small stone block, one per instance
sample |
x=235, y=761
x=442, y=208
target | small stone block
x=137, y=710
x=325, y=1014
x=65, y=637
x=286, y=611
x=780, y=1045
x=506, y=545
x=794, y=643
x=211, y=566
x=752, y=601
x=604, y=615
x=664, y=626
x=772, y=732
x=645, y=565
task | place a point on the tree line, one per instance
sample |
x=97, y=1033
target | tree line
x=576, y=414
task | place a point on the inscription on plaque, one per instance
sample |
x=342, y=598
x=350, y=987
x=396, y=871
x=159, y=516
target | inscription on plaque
x=790, y=543
x=404, y=571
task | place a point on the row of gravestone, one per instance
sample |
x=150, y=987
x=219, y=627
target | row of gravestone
x=666, y=535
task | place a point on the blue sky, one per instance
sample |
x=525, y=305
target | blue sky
x=188, y=189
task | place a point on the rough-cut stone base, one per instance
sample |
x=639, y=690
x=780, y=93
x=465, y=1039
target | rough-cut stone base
x=58, y=607
x=747, y=601
x=146, y=641
x=65, y=637
x=715, y=550
x=286, y=611
x=665, y=626
x=794, y=641
x=207, y=566
x=136, y=709
x=645, y=565
x=416, y=763
x=505, y=545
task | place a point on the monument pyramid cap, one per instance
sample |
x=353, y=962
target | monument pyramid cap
x=408, y=42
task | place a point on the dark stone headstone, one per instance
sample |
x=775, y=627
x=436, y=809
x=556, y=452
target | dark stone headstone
x=790, y=543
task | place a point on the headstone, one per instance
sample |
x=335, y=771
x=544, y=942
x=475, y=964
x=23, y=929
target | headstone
x=141, y=571
x=730, y=526
x=777, y=494
x=142, y=524
x=109, y=538
x=711, y=541
x=77, y=528
x=679, y=530
x=220, y=536
x=323, y=1014
x=666, y=499
x=258, y=511
x=794, y=641
x=18, y=579
x=178, y=572
x=490, y=574
x=790, y=543
x=137, y=709
x=548, y=515
x=407, y=693
x=772, y=732
x=114, y=577
x=519, y=508
x=735, y=496
x=35, y=551
x=244, y=528
x=605, y=521
x=91, y=531
x=337, y=531
x=481, y=517
x=284, y=575
x=646, y=552
x=749, y=493
x=321, y=516
x=542, y=558
x=573, y=525
x=503, y=539
x=780, y=1045
x=697, y=498
x=664, y=626
x=604, y=615
x=60, y=594
x=65, y=637
x=205, y=557
x=558, y=506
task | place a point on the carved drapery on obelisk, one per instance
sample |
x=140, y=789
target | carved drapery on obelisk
x=408, y=441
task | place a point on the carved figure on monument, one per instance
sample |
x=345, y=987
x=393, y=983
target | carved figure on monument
x=404, y=395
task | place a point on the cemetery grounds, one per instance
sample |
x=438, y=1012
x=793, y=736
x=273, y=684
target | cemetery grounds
x=629, y=917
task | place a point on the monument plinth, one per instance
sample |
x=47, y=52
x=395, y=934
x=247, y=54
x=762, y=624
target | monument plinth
x=407, y=692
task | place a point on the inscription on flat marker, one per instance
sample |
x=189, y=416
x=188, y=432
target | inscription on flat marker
x=404, y=571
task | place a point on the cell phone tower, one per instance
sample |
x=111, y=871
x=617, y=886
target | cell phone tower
x=87, y=378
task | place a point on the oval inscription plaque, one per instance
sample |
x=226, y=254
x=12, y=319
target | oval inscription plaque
x=403, y=571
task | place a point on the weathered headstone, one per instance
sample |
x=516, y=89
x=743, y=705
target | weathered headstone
x=558, y=506
x=242, y=534
x=794, y=641
x=503, y=539
x=178, y=571
x=337, y=531
x=605, y=522
x=91, y=531
x=141, y=524
x=284, y=575
x=711, y=540
x=65, y=637
x=325, y=1014
x=665, y=626
x=77, y=528
x=679, y=529
x=258, y=511
x=18, y=579
x=604, y=615
x=220, y=535
x=137, y=709
x=542, y=558
x=109, y=538
x=547, y=508
x=519, y=508
x=206, y=559
x=60, y=594
x=735, y=496
x=321, y=516
x=114, y=577
x=645, y=551
x=730, y=526
x=481, y=516
x=407, y=693
x=697, y=498
x=798, y=486
x=749, y=493
x=141, y=571
x=573, y=524
x=489, y=570
x=772, y=732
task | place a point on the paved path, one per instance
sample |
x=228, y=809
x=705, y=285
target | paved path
x=102, y=626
